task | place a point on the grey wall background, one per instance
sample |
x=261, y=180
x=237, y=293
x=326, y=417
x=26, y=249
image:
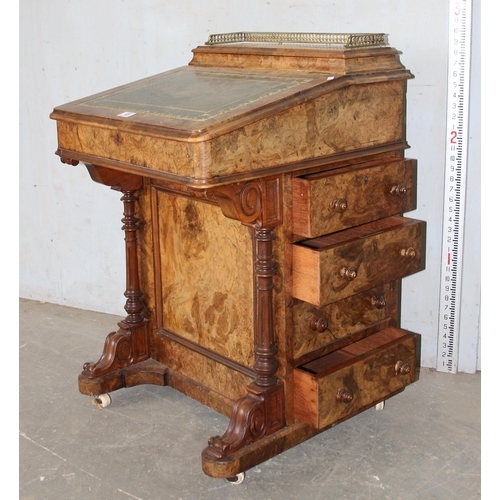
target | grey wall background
x=71, y=247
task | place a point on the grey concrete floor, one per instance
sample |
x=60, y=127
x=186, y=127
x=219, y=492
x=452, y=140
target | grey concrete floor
x=424, y=445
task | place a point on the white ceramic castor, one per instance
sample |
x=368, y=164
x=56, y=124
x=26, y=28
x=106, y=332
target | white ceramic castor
x=102, y=401
x=238, y=479
x=380, y=406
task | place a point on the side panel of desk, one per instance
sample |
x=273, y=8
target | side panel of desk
x=197, y=278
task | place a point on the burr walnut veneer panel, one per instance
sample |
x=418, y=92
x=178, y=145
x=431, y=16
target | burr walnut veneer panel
x=205, y=262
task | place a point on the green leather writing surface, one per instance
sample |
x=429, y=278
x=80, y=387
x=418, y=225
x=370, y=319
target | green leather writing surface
x=195, y=95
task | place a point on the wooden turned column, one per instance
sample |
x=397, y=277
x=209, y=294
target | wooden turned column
x=129, y=345
x=262, y=410
x=133, y=305
x=265, y=349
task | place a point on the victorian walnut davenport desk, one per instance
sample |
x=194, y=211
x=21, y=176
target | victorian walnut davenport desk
x=263, y=186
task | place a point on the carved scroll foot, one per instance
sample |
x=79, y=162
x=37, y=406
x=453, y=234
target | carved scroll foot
x=123, y=348
x=258, y=414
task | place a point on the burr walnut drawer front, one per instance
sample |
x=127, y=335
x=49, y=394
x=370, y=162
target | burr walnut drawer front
x=342, y=264
x=315, y=327
x=347, y=381
x=349, y=196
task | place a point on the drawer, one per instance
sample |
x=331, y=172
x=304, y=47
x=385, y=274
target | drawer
x=341, y=384
x=350, y=196
x=315, y=327
x=342, y=264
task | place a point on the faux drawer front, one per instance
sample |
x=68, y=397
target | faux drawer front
x=316, y=327
x=346, y=197
x=342, y=264
x=350, y=380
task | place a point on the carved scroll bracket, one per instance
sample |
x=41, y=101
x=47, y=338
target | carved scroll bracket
x=257, y=203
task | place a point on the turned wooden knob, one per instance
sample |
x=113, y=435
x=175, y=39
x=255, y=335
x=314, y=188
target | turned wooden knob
x=402, y=368
x=344, y=395
x=348, y=273
x=339, y=205
x=319, y=324
x=398, y=190
x=409, y=252
x=378, y=302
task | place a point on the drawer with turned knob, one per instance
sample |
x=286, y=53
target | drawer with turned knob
x=349, y=196
x=347, y=381
x=338, y=265
x=317, y=329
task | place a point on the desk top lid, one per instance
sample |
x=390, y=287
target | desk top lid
x=234, y=81
x=233, y=78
